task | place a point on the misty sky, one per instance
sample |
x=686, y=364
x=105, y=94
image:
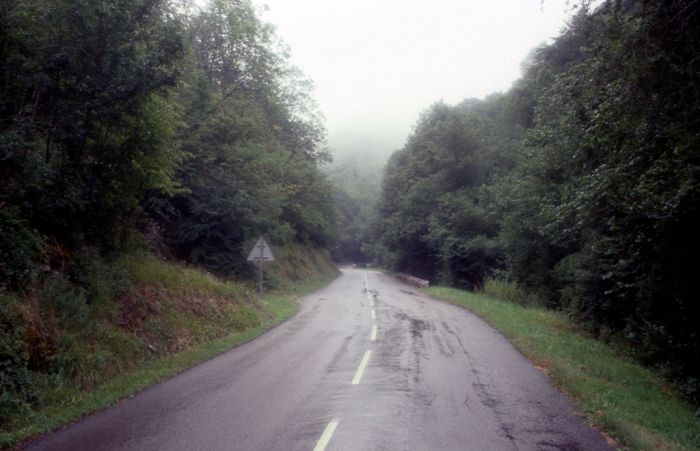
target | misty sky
x=377, y=64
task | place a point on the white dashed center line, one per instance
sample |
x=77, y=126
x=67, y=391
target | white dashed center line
x=361, y=369
x=326, y=436
x=373, y=335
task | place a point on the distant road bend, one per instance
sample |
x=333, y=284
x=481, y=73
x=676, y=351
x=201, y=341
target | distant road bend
x=368, y=363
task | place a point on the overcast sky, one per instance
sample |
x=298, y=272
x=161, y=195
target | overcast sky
x=376, y=64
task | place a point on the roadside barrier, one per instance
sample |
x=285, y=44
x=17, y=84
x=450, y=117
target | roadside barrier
x=415, y=281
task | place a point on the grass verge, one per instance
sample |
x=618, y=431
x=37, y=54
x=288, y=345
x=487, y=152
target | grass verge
x=65, y=403
x=629, y=402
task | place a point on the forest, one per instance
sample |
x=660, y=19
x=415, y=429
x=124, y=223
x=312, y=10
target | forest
x=577, y=190
x=139, y=117
x=139, y=125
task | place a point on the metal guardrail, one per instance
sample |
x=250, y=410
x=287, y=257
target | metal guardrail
x=411, y=280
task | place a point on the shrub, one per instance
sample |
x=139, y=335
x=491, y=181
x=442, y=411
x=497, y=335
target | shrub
x=68, y=301
x=16, y=388
x=20, y=251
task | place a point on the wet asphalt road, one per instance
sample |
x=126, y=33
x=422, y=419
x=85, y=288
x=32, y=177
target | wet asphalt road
x=436, y=377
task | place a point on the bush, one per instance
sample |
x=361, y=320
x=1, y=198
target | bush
x=101, y=280
x=68, y=302
x=20, y=251
x=16, y=388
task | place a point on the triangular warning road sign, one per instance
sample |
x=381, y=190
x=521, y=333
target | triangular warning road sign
x=261, y=252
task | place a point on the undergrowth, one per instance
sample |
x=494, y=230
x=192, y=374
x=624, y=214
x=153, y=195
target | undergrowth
x=101, y=330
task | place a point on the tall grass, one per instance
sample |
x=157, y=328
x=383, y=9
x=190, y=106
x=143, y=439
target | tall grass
x=505, y=290
x=149, y=270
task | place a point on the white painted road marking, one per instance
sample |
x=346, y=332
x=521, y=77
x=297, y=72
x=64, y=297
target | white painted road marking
x=373, y=335
x=361, y=369
x=326, y=436
x=374, y=315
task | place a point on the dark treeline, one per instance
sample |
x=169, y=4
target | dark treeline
x=142, y=118
x=581, y=184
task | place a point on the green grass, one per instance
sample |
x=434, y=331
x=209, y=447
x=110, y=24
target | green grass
x=148, y=270
x=508, y=291
x=629, y=402
x=63, y=401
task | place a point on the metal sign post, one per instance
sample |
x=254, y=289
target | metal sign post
x=261, y=253
x=261, y=263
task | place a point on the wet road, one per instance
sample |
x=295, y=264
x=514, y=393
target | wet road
x=368, y=363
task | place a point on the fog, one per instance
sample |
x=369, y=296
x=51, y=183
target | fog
x=376, y=64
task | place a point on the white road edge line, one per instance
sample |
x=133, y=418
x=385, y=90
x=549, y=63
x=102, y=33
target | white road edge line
x=361, y=369
x=326, y=436
x=373, y=335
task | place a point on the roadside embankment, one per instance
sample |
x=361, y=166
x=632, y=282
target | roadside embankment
x=76, y=348
x=631, y=403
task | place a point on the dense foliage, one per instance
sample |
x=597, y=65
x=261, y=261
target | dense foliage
x=132, y=114
x=86, y=127
x=582, y=183
x=252, y=141
x=133, y=123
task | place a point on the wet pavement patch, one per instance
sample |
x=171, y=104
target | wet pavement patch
x=418, y=326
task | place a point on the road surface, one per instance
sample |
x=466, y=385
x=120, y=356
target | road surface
x=368, y=363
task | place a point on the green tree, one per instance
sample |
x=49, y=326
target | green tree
x=616, y=136
x=435, y=222
x=253, y=143
x=85, y=125
x=597, y=213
